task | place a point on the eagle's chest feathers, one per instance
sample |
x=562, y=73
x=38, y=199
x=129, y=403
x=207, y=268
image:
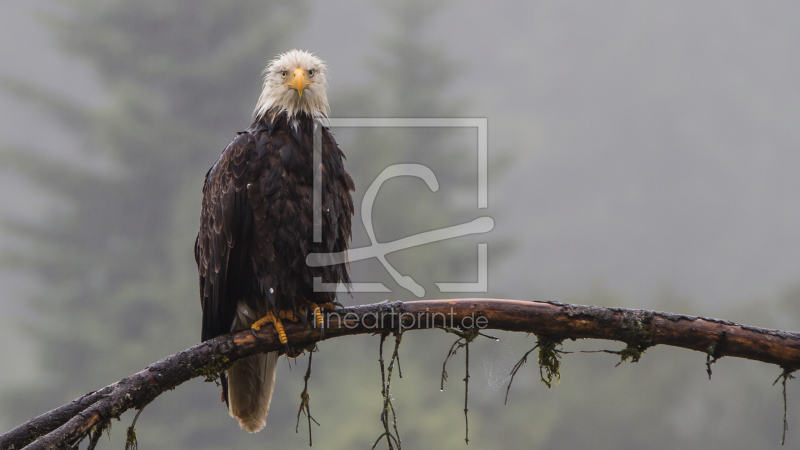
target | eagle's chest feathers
x=280, y=190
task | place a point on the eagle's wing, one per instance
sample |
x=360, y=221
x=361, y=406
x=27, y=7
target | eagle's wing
x=220, y=250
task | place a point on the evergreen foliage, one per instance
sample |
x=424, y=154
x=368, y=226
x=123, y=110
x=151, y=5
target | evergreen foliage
x=181, y=78
x=183, y=75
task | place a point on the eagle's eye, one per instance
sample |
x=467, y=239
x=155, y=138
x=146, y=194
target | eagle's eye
x=283, y=74
x=310, y=73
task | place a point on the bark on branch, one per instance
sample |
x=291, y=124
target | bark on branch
x=640, y=329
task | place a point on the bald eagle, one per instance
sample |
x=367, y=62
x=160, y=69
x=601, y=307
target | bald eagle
x=256, y=226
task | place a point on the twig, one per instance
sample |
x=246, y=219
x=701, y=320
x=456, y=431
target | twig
x=516, y=368
x=466, y=394
x=450, y=354
x=549, y=362
x=709, y=361
x=784, y=376
x=465, y=337
x=131, y=443
x=712, y=352
x=395, y=358
x=386, y=385
x=634, y=354
x=305, y=400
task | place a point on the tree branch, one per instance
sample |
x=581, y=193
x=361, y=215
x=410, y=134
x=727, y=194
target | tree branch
x=639, y=329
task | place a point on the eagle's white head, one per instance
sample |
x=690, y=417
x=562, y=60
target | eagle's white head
x=294, y=82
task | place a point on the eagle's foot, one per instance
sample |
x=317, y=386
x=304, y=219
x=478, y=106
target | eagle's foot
x=271, y=318
x=315, y=309
x=317, y=312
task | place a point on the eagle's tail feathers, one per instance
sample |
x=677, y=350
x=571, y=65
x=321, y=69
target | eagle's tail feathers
x=251, y=382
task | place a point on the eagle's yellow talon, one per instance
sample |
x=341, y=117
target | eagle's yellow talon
x=271, y=318
x=317, y=314
x=281, y=333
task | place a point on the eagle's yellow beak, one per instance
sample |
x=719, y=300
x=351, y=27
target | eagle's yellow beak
x=298, y=81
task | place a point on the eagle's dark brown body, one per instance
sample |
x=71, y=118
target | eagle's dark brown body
x=256, y=224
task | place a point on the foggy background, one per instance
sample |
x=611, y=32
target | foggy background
x=641, y=155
